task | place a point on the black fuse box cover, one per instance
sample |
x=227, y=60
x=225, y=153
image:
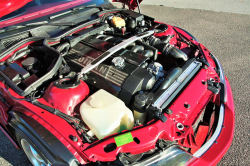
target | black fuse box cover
x=15, y=72
x=23, y=73
x=12, y=74
x=138, y=17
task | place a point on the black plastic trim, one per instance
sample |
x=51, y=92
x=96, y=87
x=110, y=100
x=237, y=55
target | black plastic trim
x=188, y=33
x=19, y=44
x=37, y=83
x=40, y=138
x=98, y=20
x=223, y=91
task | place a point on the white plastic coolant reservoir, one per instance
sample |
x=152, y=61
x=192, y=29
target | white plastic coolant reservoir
x=105, y=114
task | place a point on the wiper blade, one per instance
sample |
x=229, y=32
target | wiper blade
x=76, y=9
x=84, y=7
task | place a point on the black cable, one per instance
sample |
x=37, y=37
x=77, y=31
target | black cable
x=66, y=117
x=13, y=96
x=184, y=40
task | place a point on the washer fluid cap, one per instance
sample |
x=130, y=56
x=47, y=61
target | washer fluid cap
x=95, y=102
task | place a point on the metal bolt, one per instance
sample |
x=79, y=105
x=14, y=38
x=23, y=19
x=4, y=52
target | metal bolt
x=212, y=80
x=169, y=111
x=73, y=138
x=180, y=126
x=187, y=105
x=204, y=82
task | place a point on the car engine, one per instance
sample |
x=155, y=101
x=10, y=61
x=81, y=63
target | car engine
x=127, y=63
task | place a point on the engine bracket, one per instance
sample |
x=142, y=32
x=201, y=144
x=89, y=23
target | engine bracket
x=156, y=113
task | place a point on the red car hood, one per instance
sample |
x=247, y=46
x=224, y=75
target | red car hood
x=8, y=6
x=132, y=4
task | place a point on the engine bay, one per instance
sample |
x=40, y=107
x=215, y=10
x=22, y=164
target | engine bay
x=113, y=76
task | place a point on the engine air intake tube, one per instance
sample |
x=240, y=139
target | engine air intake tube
x=167, y=49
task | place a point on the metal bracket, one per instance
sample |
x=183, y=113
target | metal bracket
x=113, y=50
x=213, y=87
x=203, y=61
x=156, y=113
x=38, y=32
x=162, y=144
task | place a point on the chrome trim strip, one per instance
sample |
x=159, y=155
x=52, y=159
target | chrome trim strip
x=173, y=155
x=158, y=103
x=114, y=49
x=222, y=79
x=212, y=140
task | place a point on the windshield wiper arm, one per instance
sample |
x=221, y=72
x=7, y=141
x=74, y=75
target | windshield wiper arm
x=84, y=7
x=76, y=9
x=52, y=23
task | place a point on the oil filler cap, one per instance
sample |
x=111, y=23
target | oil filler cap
x=95, y=102
x=118, y=61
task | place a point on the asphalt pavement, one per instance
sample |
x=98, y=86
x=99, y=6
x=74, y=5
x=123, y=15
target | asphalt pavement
x=227, y=36
x=224, y=32
x=230, y=6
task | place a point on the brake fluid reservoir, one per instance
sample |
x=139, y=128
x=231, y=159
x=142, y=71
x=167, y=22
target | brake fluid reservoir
x=118, y=22
x=105, y=114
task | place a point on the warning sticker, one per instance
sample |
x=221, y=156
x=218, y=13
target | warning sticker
x=123, y=139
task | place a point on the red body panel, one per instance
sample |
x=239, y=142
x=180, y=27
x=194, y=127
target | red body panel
x=66, y=100
x=196, y=94
x=148, y=135
x=214, y=154
x=51, y=122
x=8, y=6
x=200, y=137
x=33, y=14
x=132, y=4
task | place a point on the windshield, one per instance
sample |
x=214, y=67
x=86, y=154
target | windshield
x=39, y=8
x=35, y=3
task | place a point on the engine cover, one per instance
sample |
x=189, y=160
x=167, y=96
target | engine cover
x=108, y=75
